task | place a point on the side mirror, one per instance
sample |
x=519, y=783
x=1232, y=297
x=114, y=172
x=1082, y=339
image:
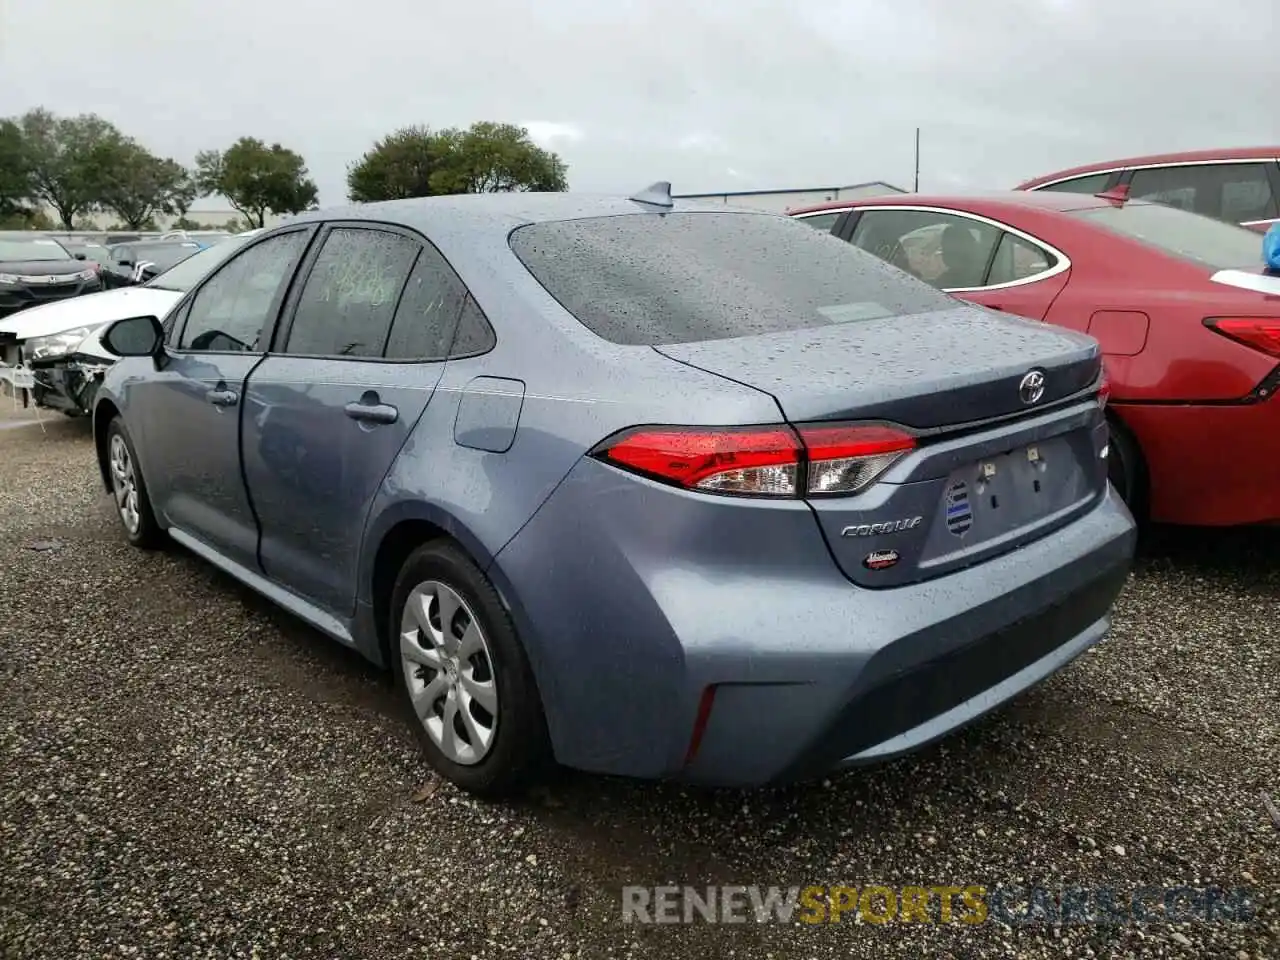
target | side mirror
x=79, y=256
x=134, y=337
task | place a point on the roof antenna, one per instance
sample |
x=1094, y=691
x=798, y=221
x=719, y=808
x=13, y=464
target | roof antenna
x=655, y=195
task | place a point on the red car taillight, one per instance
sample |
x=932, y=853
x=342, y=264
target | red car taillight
x=1262, y=335
x=761, y=461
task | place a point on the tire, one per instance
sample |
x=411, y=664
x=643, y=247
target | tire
x=129, y=490
x=1127, y=470
x=504, y=748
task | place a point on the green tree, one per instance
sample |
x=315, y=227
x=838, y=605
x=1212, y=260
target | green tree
x=486, y=158
x=69, y=160
x=15, y=171
x=139, y=185
x=257, y=179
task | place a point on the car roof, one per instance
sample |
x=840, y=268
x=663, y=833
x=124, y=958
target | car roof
x=1185, y=156
x=992, y=201
x=500, y=210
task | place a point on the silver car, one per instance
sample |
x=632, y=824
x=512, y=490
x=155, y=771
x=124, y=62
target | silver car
x=645, y=488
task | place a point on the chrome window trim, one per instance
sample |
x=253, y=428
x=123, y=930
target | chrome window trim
x=1150, y=166
x=1062, y=266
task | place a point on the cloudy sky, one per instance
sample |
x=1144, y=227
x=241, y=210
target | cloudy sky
x=710, y=94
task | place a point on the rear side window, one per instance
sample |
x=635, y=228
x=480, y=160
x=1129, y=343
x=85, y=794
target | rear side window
x=428, y=311
x=1203, y=240
x=1018, y=259
x=351, y=293
x=686, y=277
x=1094, y=183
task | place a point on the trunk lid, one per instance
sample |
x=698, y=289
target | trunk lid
x=991, y=472
x=928, y=371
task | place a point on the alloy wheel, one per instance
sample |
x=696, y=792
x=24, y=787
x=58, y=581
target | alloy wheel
x=124, y=484
x=448, y=669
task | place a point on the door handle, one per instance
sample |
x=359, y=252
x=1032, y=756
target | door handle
x=222, y=398
x=372, y=412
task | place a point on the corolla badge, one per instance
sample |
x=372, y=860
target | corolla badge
x=1031, y=389
x=887, y=526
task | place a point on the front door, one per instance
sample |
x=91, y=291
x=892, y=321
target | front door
x=330, y=407
x=192, y=408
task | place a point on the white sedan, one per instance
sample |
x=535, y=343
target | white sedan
x=52, y=352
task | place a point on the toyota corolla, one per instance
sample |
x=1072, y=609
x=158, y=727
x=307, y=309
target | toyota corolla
x=643, y=487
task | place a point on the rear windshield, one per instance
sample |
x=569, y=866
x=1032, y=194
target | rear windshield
x=683, y=277
x=1202, y=240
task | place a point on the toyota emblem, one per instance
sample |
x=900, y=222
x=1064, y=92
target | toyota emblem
x=1031, y=389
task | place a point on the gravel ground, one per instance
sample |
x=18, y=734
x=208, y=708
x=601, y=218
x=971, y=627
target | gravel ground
x=186, y=772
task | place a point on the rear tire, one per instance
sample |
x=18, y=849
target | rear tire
x=129, y=490
x=463, y=677
x=1127, y=469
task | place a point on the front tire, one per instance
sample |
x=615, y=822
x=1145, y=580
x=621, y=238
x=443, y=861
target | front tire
x=129, y=490
x=462, y=674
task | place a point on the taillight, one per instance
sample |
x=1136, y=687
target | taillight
x=846, y=459
x=761, y=461
x=1260, y=334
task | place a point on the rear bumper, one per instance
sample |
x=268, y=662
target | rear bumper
x=632, y=601
x=1210, y=465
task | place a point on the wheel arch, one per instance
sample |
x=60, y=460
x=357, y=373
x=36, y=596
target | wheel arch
x=103, y=413
x=391, y=537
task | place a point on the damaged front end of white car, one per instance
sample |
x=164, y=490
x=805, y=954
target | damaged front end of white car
x=59, y=371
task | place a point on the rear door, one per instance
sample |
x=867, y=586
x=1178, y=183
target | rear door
x=330, y=407
x=968, y=256
x=191, y=407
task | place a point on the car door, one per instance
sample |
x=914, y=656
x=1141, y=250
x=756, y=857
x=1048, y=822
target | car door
x=968, y=256
x=191, y=408
x=332, y=404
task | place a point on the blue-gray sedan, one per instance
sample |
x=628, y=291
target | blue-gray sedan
x=645, y=488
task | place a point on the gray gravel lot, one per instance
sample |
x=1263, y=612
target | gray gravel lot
x=186, y=772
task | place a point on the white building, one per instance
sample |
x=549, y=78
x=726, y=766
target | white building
x=784, y=201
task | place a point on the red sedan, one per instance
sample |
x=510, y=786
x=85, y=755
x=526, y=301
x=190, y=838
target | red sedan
x=1188, y=320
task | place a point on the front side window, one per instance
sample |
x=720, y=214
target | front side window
x=351, y=293
x=234, y=306
x=1018, y=259
x=943, y=249
x=1094, y=183
x=195, y=268
x=428, y=313
x=697, y=276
